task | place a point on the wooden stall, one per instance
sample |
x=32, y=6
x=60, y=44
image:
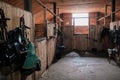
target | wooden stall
x=94, y=37
x=45, y=49
x=14, y=14
x=80, y=42
x=83, y=41
x=51, y=47
x=41, y=50
x=68, y=37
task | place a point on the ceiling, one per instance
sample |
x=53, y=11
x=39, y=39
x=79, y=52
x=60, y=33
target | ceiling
x=65, y=6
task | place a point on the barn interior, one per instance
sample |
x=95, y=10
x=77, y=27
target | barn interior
x=59, y=39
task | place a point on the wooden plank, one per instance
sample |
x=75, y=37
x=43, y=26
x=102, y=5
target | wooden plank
x=80, y=42
x=68, y=37
x=41, y=51
x=45, y=49
x=51, y=46
x=94, y=37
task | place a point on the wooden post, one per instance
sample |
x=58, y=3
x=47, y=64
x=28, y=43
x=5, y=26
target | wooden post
x=106, y=8
x=113, y=10
x=45, y=33
x=45, y=22
x=54, y=6
x=55, y=17
x=105, y=15
x=39, y=2
x=28, y=5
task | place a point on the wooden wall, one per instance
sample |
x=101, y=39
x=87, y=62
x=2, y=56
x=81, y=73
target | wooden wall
x=45, y=49
x=94, y=37
x=67, y=17
x=39, y=30
x=14, y=14
x=41, y=50
x=51, y=47
x=68, y=37
x=82, y=41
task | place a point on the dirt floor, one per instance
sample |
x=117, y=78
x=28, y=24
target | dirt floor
x=75, y=67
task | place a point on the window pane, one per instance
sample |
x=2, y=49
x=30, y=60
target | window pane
x=81, y=19
x=80, y=15
x=81, y=22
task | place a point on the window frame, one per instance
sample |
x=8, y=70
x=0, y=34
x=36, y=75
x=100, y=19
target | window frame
x=76, y=16
x=74, y=26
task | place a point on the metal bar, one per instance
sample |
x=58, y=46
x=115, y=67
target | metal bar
x=39, y=2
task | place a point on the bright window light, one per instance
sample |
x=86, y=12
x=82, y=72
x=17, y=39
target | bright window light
x=80, y=15
x=81, y=19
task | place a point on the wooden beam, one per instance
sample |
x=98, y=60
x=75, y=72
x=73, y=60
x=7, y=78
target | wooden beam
x=45, y=22
x=39, y=2
x=109, y=15
x=54, y=10
x=28, y=5
x=106, y=8
x=113, y=9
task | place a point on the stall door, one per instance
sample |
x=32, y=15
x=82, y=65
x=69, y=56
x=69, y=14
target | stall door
x=74, y=41
x=68, y=37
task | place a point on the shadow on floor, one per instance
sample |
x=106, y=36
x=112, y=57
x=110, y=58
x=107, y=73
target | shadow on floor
x=92, y=53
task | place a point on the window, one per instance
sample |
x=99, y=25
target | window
x=81, y=19
x=81, y=23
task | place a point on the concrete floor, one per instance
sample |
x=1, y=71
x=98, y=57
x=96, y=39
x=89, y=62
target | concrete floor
x=74, y=67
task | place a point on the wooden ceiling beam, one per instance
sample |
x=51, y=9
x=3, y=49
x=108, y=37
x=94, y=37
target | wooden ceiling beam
x=109, y=15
